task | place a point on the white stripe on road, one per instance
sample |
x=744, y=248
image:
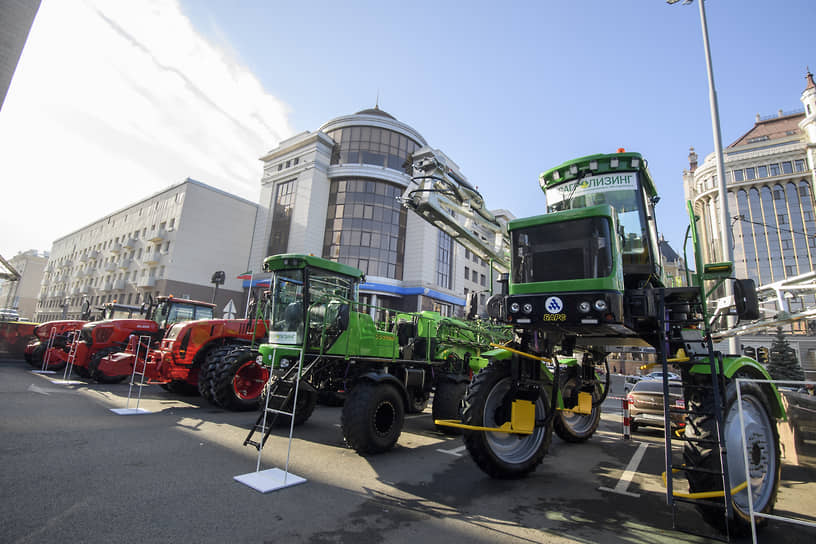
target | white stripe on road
x=629, y=473
x=457, y=452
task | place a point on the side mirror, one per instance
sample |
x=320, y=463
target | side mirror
x=745, y=298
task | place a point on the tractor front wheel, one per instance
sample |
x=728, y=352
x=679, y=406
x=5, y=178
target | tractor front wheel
x=502, y=455
x=306, y=402
x=372, y=417
x=238, y=380
x=574, y=427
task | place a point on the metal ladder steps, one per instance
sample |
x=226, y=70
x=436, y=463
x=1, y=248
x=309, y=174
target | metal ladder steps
x=713, y=503
x=687, y=468
x=702, y=441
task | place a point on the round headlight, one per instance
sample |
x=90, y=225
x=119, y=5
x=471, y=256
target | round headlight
x=528, y=308
x=600, y=305
x=514, y=307
x=584, y=307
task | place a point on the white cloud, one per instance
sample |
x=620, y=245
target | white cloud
x=112, y=101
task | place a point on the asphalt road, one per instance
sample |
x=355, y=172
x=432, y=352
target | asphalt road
x=73, y=471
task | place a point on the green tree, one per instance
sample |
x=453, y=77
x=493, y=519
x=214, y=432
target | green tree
x=783, y=364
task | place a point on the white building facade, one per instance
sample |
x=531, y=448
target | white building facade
x=170, y=243
x=21, y=295
x=770, y=182
x=334, y=193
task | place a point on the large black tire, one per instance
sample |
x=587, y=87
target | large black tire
x=93, y=367
x=502, y=455
x=763, y=452
x=447, y=404
x=306, y=402
x=331, y=398
x=237, y=384
x=205, y=372
x=372, y=417
x=35, y=358
x=572, y=426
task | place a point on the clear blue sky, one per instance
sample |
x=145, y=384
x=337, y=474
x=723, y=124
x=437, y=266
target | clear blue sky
x=112, y=101
x=511, y=89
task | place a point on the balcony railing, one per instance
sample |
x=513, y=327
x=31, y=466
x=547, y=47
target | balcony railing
x=131, y=243
x=119, y=284
x=147, y=282
x=157, y=235
x=152, y=257
x=125, y=264
x=116, y=248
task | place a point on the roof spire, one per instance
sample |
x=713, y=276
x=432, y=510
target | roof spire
x=377, y=103
x=809, y=78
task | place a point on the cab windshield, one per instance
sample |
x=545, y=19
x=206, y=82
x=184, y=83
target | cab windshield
x=176, y=312
x=621, y=191
x=286, y=307
x=569, y=250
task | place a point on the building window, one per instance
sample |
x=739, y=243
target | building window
x=365, y=226
x=475, y=276
x=799, y=165
x=444, y=261
x=281, y=217
x=467, y=273
x=750, y=173
x=787, y=167
x=774, y=169
x=372, y=145
x=762, y=171
x=483, y=280
x=738, y=176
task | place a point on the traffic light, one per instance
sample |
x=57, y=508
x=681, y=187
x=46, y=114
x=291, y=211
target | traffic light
x=762, y=355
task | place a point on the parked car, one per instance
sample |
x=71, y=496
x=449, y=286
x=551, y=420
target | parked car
x=646, y=404
x=659, y=376
x=802, y=414
x=630, y=381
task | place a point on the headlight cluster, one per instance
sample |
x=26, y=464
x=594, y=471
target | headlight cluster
x=599, y=305
x=515, y=307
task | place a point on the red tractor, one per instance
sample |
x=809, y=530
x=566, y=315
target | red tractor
x=63, y=332
x=200, y=357
x=97, y=340
x=36, y=349
x=14, y=335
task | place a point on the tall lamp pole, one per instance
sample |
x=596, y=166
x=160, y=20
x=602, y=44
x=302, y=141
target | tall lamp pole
x=725, y=229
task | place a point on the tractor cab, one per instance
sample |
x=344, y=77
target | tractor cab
x=573, y=269
x=309, y=298
x=169, y=310
x=621, y=181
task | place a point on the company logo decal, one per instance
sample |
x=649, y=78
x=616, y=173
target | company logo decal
x=554, y=305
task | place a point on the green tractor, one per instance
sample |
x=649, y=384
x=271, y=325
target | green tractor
x=383, y=369
x=585, y=280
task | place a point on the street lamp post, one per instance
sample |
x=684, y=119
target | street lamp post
x=725, y=231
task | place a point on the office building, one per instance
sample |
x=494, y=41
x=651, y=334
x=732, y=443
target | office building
x=170, y=243
x=334, y=193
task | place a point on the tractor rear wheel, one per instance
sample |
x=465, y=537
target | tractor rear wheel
x=205, y=372
x=447, y=404
x=763, y=452
x=372, y=417
x=502, y=455
x=571, y=426
x=238, y=380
